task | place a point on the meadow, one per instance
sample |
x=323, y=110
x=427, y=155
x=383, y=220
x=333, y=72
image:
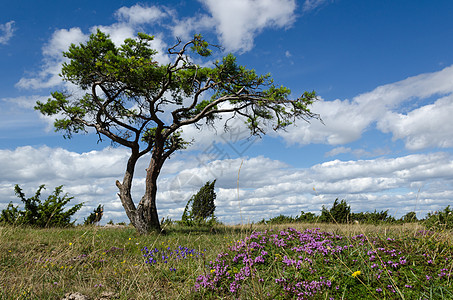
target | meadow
x=254, y=261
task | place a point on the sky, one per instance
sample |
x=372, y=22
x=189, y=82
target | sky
x=382, y=70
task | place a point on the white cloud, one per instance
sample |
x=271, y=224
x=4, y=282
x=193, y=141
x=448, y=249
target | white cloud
x=338, y=150
x=185, y=28
x=6, y=32
x=346, y=120
x=236, y=22
x=48, y=76
x=266, y=187
x=118, y=32
x=424, y=127
x=359, y=153
x=239, y=21
x=139, y=14
x=27, y=102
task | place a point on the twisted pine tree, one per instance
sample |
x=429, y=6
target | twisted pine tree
x=131, y=99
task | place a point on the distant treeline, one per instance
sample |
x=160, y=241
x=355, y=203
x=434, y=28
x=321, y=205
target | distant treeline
x=340, y=212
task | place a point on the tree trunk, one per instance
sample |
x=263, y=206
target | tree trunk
x=144, y=217
x=125, y=187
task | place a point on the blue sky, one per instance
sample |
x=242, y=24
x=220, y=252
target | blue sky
x=383, y=71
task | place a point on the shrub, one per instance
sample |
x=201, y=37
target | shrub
x=306, y=217
x=49, y=213
x=281, y=219
x=373, y=217
x=200, y=206
x=410, y=217
x=340, y=212
x=440, y=220
x=95, y=217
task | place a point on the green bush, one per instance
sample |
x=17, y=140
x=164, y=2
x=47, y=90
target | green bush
x=281, y=219
x=340, y=212
x=440, y=220
x=49, y=213
x=95, y=216
x=409, y=217
x=200, y=207
x=376, y=217
x=306, y=217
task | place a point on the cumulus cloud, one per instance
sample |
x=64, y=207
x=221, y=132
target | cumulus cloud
x=346, y=120
x=52, y=59
x=130, y=21
x=424, y=127
x=237, y=22
x=6, y=32
x=185, y=28
x=359, y=153
x=265, y=188
x=139, y=14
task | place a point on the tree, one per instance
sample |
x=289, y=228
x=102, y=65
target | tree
x=340, y=212
x=95, y=217
x=410, y=217
x=138, y=103
x=202, y=204
x=440, y=220
x=49, y=213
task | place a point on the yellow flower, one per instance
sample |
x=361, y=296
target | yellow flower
x=70, y=244
x=356, y=273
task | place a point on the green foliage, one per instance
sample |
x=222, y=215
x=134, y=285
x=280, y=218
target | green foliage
x=440, y=220
x=340, y=212
x=95, y=216
x=373, y=217
x=49, y=213
x=307, y=217
x=128, y=76
x=10, y=215
x=200, y=206
x=282, y=219
x=200, y=46
x=409, y=217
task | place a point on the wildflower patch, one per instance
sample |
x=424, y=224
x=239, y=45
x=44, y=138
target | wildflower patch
x=313, y=264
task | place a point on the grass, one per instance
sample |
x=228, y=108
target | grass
x=245, y=262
